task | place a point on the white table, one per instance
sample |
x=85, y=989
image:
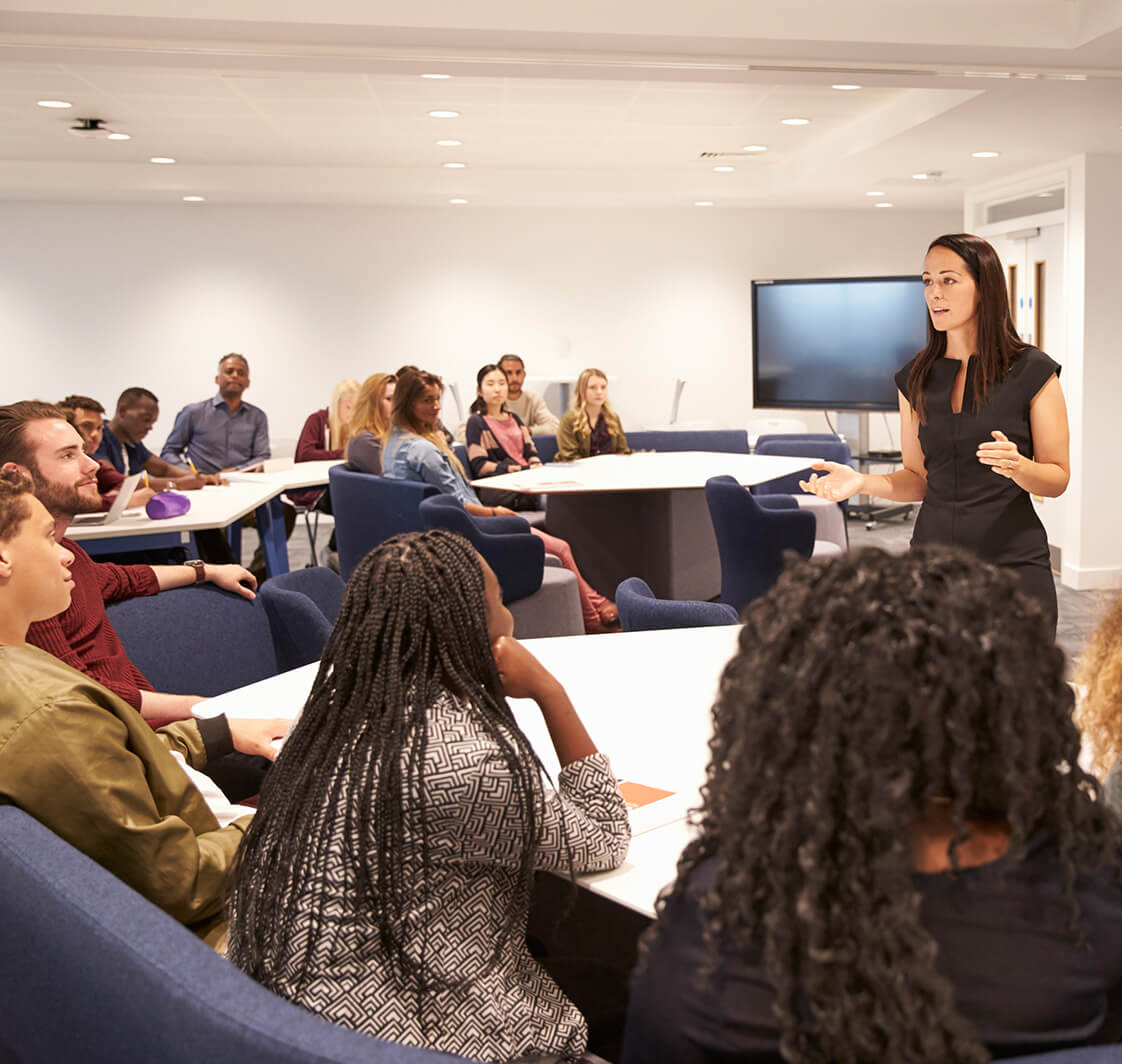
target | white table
x=643, y=514
x=214, y=506
x=645, y=698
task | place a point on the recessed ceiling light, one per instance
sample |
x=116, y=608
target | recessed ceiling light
x=194, y=199
x=795, y=121
x=454, y=166
x=162, y=159
x=755, y=147
x=1043, y=195
x=437, y=77
x=449, y=143
x=920, y=177
x=845, y=88
x=59, y=104
x=119, y=136
x=874, y=192
x=985, y=154
x=723, y=169
x=704, y=203
x=883, y=204
x=444, y=114
x=457, y=201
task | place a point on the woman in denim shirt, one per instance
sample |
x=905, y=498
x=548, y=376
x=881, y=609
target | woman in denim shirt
x=417, y=450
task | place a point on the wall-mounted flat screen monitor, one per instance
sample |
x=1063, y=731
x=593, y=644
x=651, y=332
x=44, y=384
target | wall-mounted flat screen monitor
x=834, y=343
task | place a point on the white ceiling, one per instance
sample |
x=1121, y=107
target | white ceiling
x=562, y=105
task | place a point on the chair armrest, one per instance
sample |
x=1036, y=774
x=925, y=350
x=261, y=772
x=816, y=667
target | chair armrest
x=503, y=524
x=777, y=502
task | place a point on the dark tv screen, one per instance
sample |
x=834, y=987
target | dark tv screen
x=834, y=343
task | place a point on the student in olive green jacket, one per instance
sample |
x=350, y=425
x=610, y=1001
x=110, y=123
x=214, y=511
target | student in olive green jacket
x=85, y=763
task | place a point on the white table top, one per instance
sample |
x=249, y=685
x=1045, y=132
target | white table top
x=291, y=478
x=659, y=471
x=645, y=698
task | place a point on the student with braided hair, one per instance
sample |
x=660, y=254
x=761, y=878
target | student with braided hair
x=385, y=881
x=418, y=450
x=899, y=857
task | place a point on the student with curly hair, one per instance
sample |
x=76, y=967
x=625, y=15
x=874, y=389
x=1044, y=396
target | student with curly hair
x=983, y=424
x=1099, y=713
x=898, y=857
x=590, y=426
x=386, y=878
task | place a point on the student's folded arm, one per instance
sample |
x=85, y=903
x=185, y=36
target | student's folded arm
x=81, y=780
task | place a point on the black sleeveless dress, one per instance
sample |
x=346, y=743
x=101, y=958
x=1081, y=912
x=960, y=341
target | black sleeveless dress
x=967, y=504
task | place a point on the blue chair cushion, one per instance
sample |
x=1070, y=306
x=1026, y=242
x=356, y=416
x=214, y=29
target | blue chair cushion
x=640, y=611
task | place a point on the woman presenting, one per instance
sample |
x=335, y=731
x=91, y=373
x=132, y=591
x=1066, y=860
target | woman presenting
x=983, y=424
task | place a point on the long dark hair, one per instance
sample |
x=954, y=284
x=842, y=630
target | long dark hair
x=411, y=630
x=479, y=406
x=998, y=344
x=861, y=691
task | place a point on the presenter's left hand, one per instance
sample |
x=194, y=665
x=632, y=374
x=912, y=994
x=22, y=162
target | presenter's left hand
x=1001, y=456
x=233, y=578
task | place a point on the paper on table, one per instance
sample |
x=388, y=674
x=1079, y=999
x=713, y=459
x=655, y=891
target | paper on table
x=651, y=807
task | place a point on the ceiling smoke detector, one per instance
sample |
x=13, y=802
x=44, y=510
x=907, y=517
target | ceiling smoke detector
x=91, y=129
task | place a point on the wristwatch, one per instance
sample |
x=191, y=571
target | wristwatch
x=200, y=569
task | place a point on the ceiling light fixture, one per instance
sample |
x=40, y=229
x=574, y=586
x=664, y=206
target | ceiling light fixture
x=457, y=201
x=883, y=204
x=57, y=104
x=874, y=192
x=444, y=114
x=755, y=147
x=845, y=88
x=119, y=136
x=985, y=154
x=704, y=203
x=437, y=77
x=920, y=177
x=1044, y=195
x=449, y=143
x=723, y=169
x=794, y=121
x=162, y=160
x=454, y=166
x=194, y=199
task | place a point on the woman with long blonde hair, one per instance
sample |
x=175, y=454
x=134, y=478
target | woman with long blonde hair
x=370, y=423
x=324, y=438
x=418, y=450
x=1099, y=712
x=590, y=426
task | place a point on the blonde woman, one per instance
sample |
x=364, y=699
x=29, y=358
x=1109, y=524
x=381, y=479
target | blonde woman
x=323, y=438
x=1099, y=712
x=590, y=427
x=370, y=423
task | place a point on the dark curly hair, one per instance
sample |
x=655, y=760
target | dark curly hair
x=411, y=628
x=863, y=690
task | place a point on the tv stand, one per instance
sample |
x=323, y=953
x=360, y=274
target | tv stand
x=864, y=507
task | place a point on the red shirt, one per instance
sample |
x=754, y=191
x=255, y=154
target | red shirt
x=82, y=635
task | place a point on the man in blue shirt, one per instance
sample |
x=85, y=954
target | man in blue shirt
x=223, y=433
x=137, y=411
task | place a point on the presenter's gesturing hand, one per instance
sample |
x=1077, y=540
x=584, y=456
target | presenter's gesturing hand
x=1001, y=455
x=840, y=482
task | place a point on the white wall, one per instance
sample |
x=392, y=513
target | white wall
x=94, y=299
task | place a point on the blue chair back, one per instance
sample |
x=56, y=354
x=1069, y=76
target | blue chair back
x=832, y=449
x=461, y=452
x=299, y=626
x=640, y=611
x=516, y=556
x=768, y=437
x=370, y=509
x=727, y=441
x=197, y=640
x=751, y=540
x=323, y=586
x=93, y=972
x=546, y=446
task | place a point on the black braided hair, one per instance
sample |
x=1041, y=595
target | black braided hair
x=861, y=691
x=411, y=629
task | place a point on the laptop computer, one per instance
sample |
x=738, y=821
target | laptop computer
x=124, y=493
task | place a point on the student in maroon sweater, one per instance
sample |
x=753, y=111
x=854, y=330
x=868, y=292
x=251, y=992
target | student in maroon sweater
x=37, y=441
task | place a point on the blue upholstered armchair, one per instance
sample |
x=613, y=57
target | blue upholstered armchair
x=640, y=611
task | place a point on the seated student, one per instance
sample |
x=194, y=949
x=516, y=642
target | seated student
x=122, y=447
x=1099, y=712
x=899, y=857
x=84, y=414
x=590, y=426
x=416, y=449
x=497, y=441
x=529, y=406
x=324, y=437
x=83, y=763
x=386, y=878
x=370, y=423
